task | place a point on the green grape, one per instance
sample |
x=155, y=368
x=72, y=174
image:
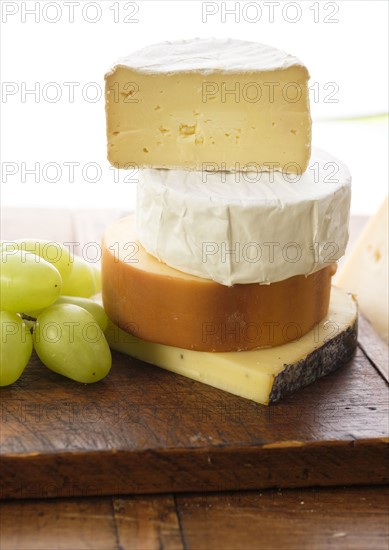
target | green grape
x=15, y=347
x=81, y=281
x=52, y=252
x=95, y=308
x=90, y=305
x=69, y=341
x=27, y=282
x=97, y=277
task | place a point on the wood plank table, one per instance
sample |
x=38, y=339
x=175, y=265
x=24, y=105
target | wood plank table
x=342, y=517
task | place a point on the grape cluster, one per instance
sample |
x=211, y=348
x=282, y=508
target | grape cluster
x=45, y=304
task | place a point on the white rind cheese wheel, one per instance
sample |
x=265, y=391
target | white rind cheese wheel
x=265, y=375
x=230, y=102
x=247, y=227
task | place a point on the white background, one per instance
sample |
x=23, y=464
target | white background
x=344, y=44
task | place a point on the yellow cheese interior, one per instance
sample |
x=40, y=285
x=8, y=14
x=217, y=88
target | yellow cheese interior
x=248, y=374
x=365, y=272
x=219, y=121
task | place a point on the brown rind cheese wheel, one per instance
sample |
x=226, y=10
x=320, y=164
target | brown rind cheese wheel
x=157, y=303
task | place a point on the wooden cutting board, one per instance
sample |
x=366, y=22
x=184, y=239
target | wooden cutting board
x=145, y=430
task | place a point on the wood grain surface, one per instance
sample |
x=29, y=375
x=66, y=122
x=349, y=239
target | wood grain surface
x=305, y=519
x=145, y=430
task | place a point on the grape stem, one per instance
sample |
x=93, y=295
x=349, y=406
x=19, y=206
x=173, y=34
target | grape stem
x=28, y=317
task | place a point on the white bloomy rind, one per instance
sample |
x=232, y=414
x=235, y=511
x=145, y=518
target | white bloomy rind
x=207, y=55
x=246, y=227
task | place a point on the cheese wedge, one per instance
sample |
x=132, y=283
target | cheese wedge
x=160, y=304
x=365, y=272
x=266, y=375
x=246, y=228
x=209, y=104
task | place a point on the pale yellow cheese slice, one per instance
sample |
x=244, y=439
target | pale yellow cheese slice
x=365, y=272
x=264, y=375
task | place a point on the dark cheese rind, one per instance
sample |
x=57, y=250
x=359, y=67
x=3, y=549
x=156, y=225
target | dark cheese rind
x=335, y=353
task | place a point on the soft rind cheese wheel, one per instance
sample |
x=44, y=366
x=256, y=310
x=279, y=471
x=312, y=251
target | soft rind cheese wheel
x=231, y=102
x=240, y=228
x=147, y=298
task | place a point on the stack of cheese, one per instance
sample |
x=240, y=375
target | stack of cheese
x=238, y=227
